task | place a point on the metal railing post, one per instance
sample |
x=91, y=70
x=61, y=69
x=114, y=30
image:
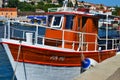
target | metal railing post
x=36, y=35
x=112, y=43
x=63, y=40
x=107, y=32
x=8, y=29
x=5, y=31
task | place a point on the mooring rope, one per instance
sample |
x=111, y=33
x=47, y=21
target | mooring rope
x=18, y=56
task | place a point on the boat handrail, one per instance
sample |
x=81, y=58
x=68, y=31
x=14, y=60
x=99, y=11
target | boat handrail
x=81, y=43
x=58, y=40
x=23, y=35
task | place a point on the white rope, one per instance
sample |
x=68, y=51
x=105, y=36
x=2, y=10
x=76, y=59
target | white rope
x=17, y=61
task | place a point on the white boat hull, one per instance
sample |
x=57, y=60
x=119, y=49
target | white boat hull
x=28, y=71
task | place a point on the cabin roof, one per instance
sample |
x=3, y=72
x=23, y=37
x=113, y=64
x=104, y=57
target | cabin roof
x=71, y=13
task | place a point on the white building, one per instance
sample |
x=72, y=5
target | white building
x=1, y=3
x=21, y=0
x=30, y=0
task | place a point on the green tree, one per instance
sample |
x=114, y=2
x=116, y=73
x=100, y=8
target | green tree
x=23, y=6
x=48, y=1
x=60, y=2
x=117, y=10
x=40, y=5
x=46, y=6
x=13, y=3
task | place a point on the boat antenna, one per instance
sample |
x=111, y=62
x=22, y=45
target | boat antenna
x=74, y=3
x=65, y=3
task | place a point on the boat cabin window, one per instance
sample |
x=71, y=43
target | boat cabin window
x=50, y=20
x=57, y=21
x=69, y=21
x=84, y=19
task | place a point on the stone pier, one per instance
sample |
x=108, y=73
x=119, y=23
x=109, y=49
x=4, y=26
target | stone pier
x=106, y=70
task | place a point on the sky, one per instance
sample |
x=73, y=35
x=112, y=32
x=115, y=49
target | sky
x=105, y=2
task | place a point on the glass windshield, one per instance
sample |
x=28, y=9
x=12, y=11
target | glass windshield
x=57, y=21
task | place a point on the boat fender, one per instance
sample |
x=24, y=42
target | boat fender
x=118, y=50
x=118, y=53
x=87, y=63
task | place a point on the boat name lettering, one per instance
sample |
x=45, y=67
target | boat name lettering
x=59, y=58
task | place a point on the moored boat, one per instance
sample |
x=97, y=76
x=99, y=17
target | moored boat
x=67, y=38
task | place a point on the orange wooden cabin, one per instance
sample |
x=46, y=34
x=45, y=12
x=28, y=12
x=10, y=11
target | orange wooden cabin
x=65, y=30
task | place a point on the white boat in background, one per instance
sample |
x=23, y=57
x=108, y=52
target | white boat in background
x=30, y=20
x=2, y=20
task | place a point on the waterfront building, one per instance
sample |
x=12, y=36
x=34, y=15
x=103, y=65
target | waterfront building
x=8, y=12
x=1, y=3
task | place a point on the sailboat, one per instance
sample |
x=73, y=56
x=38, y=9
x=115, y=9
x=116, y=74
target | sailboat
x=57, y=47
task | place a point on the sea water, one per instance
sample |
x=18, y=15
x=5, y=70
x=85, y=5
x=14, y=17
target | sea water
x=6, y=71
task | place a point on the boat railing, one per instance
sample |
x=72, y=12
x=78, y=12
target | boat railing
x=65, y=41
x=114, y=42
x=22, y=36
x=80, y=42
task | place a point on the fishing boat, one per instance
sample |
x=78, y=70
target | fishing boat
x=58, y=47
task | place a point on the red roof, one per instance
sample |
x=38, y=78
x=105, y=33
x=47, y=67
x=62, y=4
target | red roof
x=8, y=9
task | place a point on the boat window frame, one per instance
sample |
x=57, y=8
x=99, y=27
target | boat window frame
x=60, y=23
